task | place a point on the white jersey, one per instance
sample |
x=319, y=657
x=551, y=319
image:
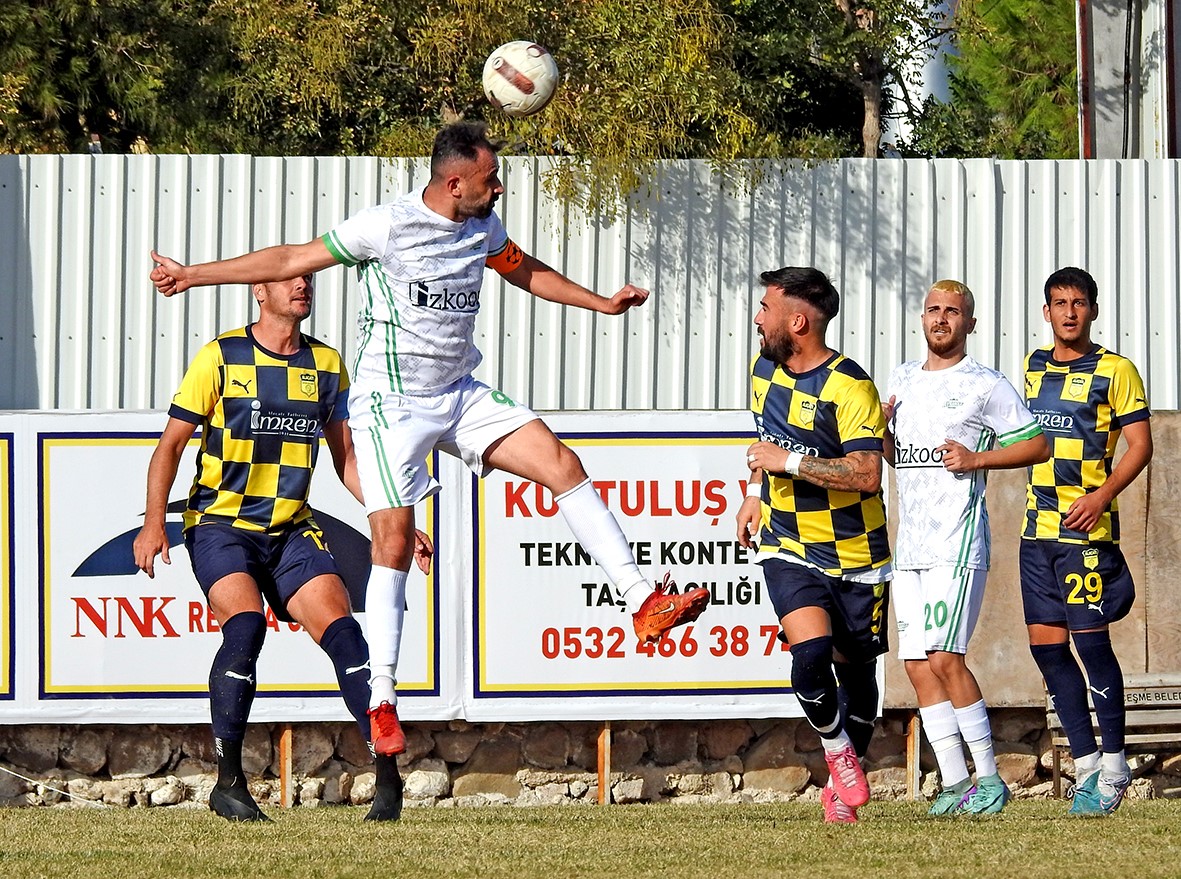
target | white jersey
x=421, y=276
x=942, y=519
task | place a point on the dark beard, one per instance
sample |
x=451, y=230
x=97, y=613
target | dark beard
x=779, y=352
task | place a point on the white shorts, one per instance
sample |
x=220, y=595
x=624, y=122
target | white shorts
x=937, y=609
x=395, y=433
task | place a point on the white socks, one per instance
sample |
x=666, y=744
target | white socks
x=838, y=742
x=595, y=528
x=943, y=732
x=977, y=733
x=1085, y=767
x=385, y=609
x=1114, y=774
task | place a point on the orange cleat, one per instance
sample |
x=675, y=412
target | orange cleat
x=386, y=731
x=661, y=611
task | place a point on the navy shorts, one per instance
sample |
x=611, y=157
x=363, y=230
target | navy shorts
x=279, y=563
x=1083, y=585
x=857, y=611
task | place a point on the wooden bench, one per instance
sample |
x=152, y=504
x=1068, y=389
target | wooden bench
x=1153, y=702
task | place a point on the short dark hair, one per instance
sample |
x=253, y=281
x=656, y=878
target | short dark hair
x=809, y=284
x=460, y=140
x=1073, y=277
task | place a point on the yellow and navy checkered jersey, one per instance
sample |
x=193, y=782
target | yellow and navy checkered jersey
x=827, y=412
x=1082, y=405
x=261, y=415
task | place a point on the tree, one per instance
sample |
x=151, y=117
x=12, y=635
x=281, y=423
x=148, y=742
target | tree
x=640, y=83
x=801, y=108
x=71, y=68
x=876, y=42
x=307, y=77
x=1017, y=74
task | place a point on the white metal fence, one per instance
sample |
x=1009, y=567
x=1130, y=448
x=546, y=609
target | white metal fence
x=80, y=326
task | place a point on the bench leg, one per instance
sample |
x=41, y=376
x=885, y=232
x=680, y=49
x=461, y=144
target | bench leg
x=1056, y=763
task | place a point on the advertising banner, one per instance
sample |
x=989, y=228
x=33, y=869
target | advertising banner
x=515, y=622
x=552, y=639
x=111, y=638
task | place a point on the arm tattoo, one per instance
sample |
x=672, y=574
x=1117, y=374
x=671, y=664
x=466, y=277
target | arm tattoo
x=857, y=471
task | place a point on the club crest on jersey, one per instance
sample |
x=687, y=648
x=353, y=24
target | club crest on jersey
x=1090, y=559
x=307, y=384
x=1077, y=387
x=807, y=412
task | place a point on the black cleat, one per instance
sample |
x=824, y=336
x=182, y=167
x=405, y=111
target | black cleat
x=387, y=802
x=235, y=804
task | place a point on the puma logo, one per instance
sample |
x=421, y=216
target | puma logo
x=815, y=701
x=1102, y=692
x=247, y=678
x=867, y=427
x=757, y=395
x=1096, y=606
x=357, y=668
x=244, y=386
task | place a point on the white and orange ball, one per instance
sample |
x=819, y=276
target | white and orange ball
x=520, y=77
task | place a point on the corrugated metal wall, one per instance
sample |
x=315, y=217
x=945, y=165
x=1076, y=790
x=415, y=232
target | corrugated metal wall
x=81, y=327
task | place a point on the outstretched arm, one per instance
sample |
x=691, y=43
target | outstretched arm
x=549, y=284
x=152, y=539
x=278, y=263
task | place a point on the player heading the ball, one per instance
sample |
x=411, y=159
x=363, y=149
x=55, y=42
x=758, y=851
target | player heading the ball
x=413, y=390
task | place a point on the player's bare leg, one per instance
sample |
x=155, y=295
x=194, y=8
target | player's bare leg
x=533, y=452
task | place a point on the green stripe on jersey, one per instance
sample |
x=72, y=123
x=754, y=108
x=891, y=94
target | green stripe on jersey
x=1022, y=433
x=375, y=284
x=339, y=252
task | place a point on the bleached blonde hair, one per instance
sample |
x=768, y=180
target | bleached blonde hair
x=958, y=288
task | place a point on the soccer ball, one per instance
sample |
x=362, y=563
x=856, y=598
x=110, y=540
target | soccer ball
x=520, y=77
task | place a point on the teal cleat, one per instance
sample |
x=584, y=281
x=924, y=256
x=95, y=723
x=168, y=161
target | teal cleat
x=1086, y=798
x=988, y=797
x=1111, y=791
x=951, y=800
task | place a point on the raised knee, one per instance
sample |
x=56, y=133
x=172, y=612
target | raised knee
x=570, y=466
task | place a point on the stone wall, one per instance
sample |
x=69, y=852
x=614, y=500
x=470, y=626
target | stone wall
x=457, y=763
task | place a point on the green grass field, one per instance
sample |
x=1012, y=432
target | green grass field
x=1032, y=839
